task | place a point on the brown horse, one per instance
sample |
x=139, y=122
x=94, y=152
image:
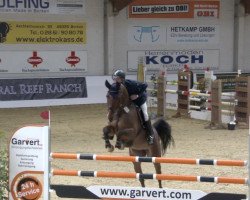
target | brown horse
x=125, y=123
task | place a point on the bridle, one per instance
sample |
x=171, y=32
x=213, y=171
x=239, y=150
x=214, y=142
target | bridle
x=122, y=106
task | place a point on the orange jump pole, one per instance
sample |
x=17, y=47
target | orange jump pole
x=107, y=174
x=188, y=161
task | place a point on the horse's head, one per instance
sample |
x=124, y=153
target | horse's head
x=117, y=96
x=113, y=99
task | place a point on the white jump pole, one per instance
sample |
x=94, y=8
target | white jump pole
x=47, y=164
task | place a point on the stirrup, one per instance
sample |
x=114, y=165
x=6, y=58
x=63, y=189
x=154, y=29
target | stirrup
x=150, y=139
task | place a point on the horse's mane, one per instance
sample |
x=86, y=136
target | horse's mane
x=123, y=95
x=124, y=90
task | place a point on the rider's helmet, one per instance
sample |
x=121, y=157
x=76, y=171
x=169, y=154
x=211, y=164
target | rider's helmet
x=119, y=73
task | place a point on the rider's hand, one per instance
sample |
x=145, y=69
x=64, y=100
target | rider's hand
x=134, y=96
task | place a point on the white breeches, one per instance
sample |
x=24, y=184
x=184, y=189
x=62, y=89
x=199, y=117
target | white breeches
x=144, y=108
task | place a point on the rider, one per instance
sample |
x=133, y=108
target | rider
x=137, y=93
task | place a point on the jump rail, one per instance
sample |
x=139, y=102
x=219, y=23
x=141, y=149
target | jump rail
x=209, y=108
x=195, y=93
x=209, y=101
x=188, y=161
x=108, y=174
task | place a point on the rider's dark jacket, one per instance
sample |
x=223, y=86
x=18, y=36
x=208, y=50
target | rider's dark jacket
x=139, y=88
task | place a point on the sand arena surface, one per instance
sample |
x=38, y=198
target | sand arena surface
x=78, y=129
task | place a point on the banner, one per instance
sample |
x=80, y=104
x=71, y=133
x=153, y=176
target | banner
x=18, y=32
x=173, y=34
x=173, y=60
x=27, y=162
x=174, y=9
x=193, y=34
x=227, y=79
x=42, y=88
x=44, y=7
x=34, y=62
x=142, y=33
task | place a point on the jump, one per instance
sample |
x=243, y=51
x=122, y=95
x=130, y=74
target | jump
x=127, y=126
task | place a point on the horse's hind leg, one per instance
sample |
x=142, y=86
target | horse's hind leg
x=137, y=168
x=158, y=171
x=137, y=165
x=155, y=151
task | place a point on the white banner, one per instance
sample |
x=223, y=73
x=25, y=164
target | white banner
x=43, y=61
x=27, y=154
x=173, y=34
x=173, y=60
x=117, y=192
x=75, y=7
x=192, y=34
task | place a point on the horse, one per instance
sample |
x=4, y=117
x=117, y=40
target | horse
x=125, y=124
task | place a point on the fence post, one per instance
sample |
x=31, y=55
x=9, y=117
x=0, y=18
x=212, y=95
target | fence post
x=183, y=99
x=242, y=97
x=216, y=113
x=141, y=70
x=161, y=95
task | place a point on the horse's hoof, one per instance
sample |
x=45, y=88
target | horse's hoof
x=111, y=137
x=120, y=146
x=111, y=148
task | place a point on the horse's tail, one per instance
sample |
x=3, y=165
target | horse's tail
x=164, y=131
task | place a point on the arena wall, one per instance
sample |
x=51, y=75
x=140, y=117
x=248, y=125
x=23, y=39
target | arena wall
x=110, y=45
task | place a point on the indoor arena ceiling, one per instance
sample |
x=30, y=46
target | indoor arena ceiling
x=120, y=4
x=246, y=4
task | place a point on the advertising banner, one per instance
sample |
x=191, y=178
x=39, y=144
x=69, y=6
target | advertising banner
x=39, y=62
x=193, y=34
x=146, y=34
x=75, y=7
x=173, y=34
x=28, y=161
x=42, y=88
x=173, y=60
x=18, y=32
x=227, y=79
x=174, y=9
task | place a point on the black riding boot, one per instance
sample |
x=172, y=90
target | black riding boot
x=149, y=132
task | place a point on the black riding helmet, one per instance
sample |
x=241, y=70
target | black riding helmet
x=119, y=73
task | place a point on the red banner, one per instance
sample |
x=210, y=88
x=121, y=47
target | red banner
x=174, y=9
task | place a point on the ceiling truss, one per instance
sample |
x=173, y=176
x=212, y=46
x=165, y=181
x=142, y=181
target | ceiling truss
x=119, y=4
x=246, y=4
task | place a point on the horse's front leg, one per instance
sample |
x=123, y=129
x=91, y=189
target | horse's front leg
x=125, y=137
x=107, y=135
x=119, y=142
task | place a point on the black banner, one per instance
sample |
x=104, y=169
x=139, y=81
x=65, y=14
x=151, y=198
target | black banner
x=42, y=88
